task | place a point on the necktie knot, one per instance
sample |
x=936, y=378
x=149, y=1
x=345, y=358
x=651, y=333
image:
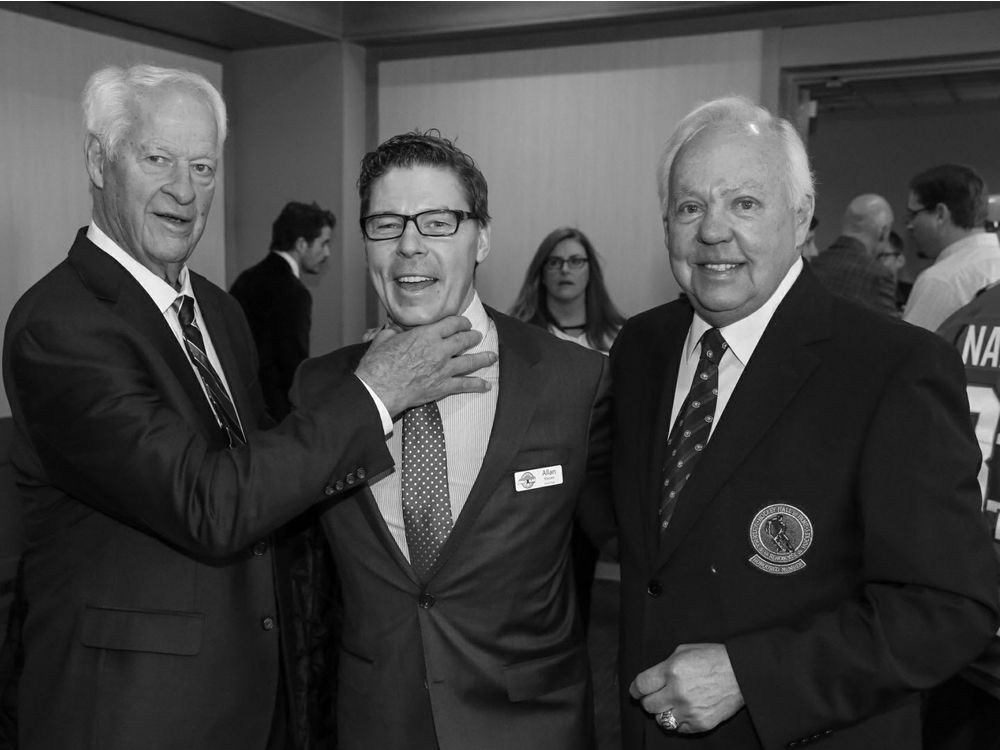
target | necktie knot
x=713, y=345
x=184, y=305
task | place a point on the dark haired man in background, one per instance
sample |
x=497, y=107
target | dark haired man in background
x=946, y=217
x=277, y=304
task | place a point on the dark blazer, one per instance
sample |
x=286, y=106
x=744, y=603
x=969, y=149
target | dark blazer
x=489, y=653
x=846, y=269
x=859, y=424
x=149, y=576
x=279, y=310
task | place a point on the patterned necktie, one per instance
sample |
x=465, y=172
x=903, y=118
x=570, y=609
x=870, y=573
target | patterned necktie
x=694, y=422
x=218, y=398
x=426, y=504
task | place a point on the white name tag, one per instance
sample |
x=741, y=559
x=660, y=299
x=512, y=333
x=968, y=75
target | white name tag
x=531, y=479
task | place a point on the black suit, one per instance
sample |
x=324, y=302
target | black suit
x=859, y=424
x=279, y=309
x=149, y=575
x=489, y=653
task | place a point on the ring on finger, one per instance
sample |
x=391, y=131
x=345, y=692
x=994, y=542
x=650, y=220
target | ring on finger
x=667, y=720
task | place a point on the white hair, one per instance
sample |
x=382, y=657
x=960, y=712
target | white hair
x=740, y=111
x=110, y=94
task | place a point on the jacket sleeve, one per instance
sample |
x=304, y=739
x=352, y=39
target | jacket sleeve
x=927, y=603
x=109, y=424
x=595, y=511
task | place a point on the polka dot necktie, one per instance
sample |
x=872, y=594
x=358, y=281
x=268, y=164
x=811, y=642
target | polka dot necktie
x=689, y=434
x=218, y=398
x=426, y=504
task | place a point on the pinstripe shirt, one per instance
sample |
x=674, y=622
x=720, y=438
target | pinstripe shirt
x=467, y=420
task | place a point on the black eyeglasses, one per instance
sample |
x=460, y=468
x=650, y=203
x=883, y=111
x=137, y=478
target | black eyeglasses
x=436, y=223
x=912, y=213
x=575, y=263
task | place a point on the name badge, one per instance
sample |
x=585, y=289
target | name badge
x=531, y=479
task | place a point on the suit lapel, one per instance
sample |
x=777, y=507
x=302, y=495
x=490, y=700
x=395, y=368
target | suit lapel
x=216, y=322
x=517, y=400
x=659, y=376
x=779, y=366
x=111, y=282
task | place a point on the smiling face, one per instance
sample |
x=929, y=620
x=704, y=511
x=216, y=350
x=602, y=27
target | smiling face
x=731, y=231
x=423, y=279
x=564, y=283
x=153, y=197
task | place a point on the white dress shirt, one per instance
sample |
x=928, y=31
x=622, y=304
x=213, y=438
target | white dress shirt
x=467, y=419
x=742, y=337
x=291, y=261
x=960, y=272
x=163, y=296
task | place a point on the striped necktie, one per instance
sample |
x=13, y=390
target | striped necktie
x=694, y=423
x=218, y=398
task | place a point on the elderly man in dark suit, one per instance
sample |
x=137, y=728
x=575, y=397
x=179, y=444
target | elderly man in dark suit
x=795, y=478
x=461, y=628
x=277, y=303
x=151, y=495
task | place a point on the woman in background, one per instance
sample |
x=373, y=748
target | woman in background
x=564, y=291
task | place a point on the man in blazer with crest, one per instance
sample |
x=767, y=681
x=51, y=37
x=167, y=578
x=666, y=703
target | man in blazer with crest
x=460, y=626
x=794, y=478
x=151, y=497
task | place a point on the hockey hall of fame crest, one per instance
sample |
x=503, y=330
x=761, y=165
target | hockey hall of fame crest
x=780, y=534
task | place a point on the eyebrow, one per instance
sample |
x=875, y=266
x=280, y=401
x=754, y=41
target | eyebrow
x=725, y=191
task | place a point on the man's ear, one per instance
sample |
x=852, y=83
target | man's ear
x=483, y=243
x=96, y=160
x=803, y=216
x=942, y=213
x=300, y=246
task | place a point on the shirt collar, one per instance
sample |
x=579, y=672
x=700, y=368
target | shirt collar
x=290, y=260
x=965, y=243
x=476, y=314
x=162, y=293
x=743, y=335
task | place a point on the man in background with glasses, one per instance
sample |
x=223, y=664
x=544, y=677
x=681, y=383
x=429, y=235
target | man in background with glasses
x=946, y=217
x=461, y=628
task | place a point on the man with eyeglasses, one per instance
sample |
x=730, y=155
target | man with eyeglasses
x=946, y=217
x=461, y=628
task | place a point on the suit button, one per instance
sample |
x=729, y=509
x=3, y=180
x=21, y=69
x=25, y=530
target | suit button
x=339, y=485
x=267, y=623
x=361, y=473
x=654, y=589
x=426, y=601
x=351, y=479
x=260, y=548
x=328, y=490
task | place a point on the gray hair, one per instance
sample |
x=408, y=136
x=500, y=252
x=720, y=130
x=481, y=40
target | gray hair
x=111, y=92
x=740, y=111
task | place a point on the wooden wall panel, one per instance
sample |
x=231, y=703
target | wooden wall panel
x=571, y=136
x=43, y=182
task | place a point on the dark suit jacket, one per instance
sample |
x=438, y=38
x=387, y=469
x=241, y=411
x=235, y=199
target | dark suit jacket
x=279, y=309
x=859, y=423
x=489, y=653
x=846, y=269
x=152, y=618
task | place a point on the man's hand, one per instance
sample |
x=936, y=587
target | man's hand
x=696, y=683
x=424, y=364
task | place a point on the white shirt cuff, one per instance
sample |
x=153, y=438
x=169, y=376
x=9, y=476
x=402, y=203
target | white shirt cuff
x=382, y=411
